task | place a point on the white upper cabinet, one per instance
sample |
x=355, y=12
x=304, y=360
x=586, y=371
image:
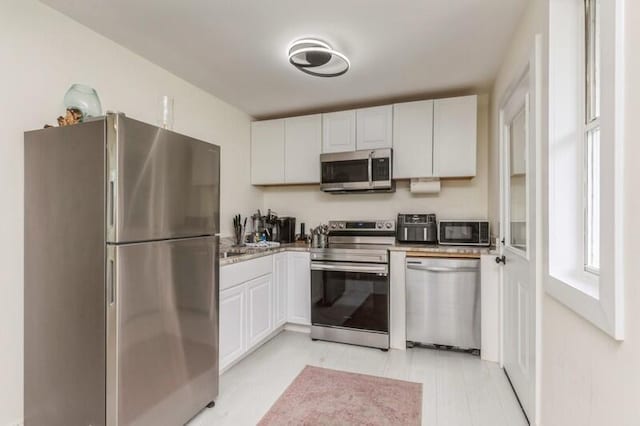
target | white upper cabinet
x=303, y=144
x=374, y=127
x=455, y=137
x=339, y=131
x=267, y=152
x=413, y=140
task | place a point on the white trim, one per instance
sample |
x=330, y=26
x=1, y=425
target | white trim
x=602, y=305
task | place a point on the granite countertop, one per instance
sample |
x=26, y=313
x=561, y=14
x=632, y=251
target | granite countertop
x=230, y=254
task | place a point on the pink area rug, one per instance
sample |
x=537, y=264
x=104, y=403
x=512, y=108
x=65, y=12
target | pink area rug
x=319, y=396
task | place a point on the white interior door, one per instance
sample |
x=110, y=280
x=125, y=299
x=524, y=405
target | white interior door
x=518, y=158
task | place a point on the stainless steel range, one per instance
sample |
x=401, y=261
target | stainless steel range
x=350, y=284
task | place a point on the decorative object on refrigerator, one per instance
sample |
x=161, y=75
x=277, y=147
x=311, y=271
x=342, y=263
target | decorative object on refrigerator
x=83, y=98
x=166, y=119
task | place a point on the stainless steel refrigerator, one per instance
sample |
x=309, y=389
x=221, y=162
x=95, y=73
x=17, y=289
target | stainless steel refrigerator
x=121, y=274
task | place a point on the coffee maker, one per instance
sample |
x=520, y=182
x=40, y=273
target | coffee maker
x=287, y=229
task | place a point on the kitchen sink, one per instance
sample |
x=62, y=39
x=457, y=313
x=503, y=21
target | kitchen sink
x=231, y=254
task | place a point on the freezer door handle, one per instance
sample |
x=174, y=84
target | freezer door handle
x=439, y=269
x=111, y=203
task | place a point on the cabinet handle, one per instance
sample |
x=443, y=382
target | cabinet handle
x=501, y=259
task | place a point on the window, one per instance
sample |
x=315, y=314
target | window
x=592, y=137
x=583, y=236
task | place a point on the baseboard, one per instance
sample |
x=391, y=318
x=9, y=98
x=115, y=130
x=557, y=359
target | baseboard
x=298, y=328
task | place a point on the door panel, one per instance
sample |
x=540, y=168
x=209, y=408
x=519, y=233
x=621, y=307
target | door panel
x=455, y=137
x=303, y=145
x=374, y=127
x=518, y=154
x=163, y=184
x=299, y=288
x=259, y=294
x=280, y=277
x=166, y=311
x=339, y=132
x=232, y=324
x=413, y=140
x=267, y=152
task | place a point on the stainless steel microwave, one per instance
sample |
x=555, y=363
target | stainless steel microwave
x=364, y=171
x=464, y=232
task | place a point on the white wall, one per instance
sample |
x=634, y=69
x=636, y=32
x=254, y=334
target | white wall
x=588, y=378
x=464, y=198
x=41, y=53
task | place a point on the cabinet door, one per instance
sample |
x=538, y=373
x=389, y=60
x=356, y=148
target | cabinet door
x=455, y=136
x=259, y=309
x=413, y=140
x=303, y=144
x=374, y=127
x=267, y=152
x=280, y=277
x=339, y=131
x=299, y=289
x=232, y=325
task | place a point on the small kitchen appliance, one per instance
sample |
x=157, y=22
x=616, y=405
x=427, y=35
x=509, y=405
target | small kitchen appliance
x=417, y=228
x=464, y=233
x=357, y=171
x=287, y=229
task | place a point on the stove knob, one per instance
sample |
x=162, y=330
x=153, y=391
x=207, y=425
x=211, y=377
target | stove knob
x=333, y=226
x=342, y=226
x=379, y=225
x=388, y=225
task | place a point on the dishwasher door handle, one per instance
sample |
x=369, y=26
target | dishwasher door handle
x=439, y=269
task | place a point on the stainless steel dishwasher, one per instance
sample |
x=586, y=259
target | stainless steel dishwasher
x=443, y=302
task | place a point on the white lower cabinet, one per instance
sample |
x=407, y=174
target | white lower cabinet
x=259, y=296
x=299, y=288
x=280, y=281
x=259, y=309
x=232, y=325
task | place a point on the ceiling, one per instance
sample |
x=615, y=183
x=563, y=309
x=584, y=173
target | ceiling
x=237, y=49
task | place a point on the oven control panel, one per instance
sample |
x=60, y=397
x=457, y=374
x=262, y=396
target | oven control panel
x=362, y=225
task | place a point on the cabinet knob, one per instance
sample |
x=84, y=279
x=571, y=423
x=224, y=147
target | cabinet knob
x=501, y=259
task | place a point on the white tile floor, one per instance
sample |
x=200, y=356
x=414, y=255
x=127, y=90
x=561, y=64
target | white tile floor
x=458, y=389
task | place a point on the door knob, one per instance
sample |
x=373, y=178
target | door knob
x=501, y=259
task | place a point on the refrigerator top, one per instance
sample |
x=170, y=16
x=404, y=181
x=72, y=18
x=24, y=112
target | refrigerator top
x=160, y=184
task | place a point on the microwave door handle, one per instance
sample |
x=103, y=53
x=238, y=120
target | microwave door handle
x=369, y=170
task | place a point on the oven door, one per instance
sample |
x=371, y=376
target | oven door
x=350, y=295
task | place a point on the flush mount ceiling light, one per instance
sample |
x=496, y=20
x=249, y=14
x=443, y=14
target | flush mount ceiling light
x=316, y=57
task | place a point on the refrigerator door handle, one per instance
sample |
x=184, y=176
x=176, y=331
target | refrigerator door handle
x=111, y=285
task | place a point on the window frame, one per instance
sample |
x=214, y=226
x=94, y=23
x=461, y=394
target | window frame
x=591, y=102
x=599, y=298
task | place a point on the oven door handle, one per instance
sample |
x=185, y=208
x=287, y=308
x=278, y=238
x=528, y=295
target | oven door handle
x=381, y=270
